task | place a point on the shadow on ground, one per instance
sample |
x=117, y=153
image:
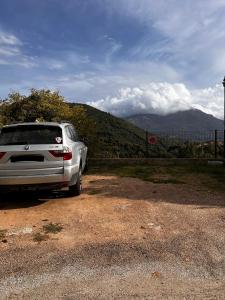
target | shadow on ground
x=125, y=188
x=135, y=189
x=28, y=199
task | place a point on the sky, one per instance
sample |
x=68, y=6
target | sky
x=121, y=56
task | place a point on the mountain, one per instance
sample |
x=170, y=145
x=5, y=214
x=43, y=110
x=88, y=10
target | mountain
x=117, y=137
x=190, y=120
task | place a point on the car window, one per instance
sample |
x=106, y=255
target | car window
x=31, y=134
x=73, y=133
x=68, y=133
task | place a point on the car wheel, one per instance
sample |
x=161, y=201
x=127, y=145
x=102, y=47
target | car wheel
x=75, y=189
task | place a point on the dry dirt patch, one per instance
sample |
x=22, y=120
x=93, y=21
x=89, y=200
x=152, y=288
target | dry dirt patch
x=170, y=229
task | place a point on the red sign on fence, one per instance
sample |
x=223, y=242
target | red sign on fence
x=152, y=140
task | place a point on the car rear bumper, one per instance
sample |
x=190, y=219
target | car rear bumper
x=21, y=180
x=47, y=179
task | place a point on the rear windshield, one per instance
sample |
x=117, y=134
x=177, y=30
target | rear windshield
x=30, y=134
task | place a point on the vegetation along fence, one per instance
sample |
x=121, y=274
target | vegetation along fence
x=185, y=144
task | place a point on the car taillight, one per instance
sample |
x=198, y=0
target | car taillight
x=67, y=156
x=66, y=153
x=2, y=154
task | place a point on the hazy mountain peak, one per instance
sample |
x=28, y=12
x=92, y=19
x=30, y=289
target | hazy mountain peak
x=192, y=119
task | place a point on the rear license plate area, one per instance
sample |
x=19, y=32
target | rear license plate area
x=22, y=158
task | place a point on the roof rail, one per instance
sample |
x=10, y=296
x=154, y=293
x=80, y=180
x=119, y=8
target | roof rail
x=64, y=121
x=15, y=122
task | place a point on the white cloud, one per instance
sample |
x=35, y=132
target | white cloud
x=209, y=100
x=103, y=80
x=9, y=46
x=162, y=98
x=112, y=47
x=73, y=84
x=192, y=35
x=55, y=64
x=184, y=41
x=9, y=39
x=11, y=52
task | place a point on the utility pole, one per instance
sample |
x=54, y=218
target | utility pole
x=224, y=120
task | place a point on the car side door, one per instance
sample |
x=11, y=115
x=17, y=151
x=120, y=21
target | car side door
x=82, y=149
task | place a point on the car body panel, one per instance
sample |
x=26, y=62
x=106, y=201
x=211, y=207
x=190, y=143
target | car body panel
x=34, y=164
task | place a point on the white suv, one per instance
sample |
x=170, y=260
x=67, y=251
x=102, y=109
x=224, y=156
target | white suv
x=36, y=156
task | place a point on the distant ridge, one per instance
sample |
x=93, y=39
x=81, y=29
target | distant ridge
x=116, y=137
x=189, y=120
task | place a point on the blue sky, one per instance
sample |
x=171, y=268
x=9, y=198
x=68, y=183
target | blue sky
x=122, y=56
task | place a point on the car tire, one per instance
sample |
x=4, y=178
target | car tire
x=76, y=189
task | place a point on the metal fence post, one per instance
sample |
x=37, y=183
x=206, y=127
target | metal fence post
x=146, y=143
x=224, y=144
x=216, y=142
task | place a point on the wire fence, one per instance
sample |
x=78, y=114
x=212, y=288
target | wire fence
x=185, y=144
x=167, y=144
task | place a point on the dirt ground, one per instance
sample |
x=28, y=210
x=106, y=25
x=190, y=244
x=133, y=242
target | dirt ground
x=123, y=238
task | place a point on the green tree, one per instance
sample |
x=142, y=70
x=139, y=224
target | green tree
x=46, y=105
x=39, y=105
x=86, y=128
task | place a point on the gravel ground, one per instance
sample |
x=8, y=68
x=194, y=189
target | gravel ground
x=123, y=238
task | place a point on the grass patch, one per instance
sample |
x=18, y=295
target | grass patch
x=40, y=237
x=52, y=228
x=209, y=176
x=167, y=181
x=92, y=181
x=3, y=233
x=142, y=172
x=94, y=192
x=147, y=173
x=48, y=228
